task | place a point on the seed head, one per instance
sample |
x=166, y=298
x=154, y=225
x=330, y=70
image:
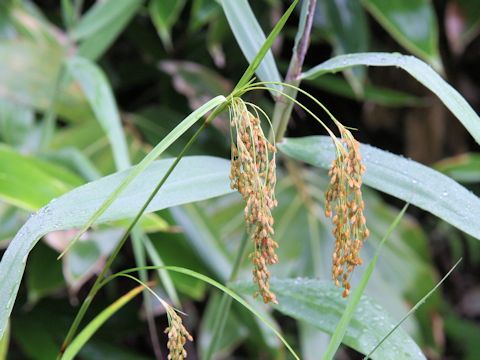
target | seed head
x=252, y=173
x=344, y=203
x=177, y=336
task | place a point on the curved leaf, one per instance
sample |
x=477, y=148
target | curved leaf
x=320, y=304
x=419, y=70
x=95, y=85
x=412, y=23
x=250, y=38
x=97, y=322
x=403, y=178
x=195, y=178
x=30, y=183
x=100, y=16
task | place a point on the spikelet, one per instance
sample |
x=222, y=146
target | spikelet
x=344, y=204
x=177, y=336
x=252, y=173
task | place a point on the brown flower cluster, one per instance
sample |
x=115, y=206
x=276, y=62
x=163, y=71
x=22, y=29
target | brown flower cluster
x=345, y=205
x=177, y=336
x=252, y=173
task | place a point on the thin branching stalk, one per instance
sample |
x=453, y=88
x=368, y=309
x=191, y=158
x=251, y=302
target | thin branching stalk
x=96, y=286
x=226, y=301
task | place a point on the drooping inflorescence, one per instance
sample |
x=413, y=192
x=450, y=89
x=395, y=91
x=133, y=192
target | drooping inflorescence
x=344, y=204
x=252, y=173
x=177, y=336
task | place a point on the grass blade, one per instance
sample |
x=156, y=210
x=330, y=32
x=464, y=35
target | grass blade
x=320, y=304
x=218, y=286
x=156, y=152
x=95, y=85
x=100, y=16
x=415, y=67
x=97, y=322
x=195, y=178
x=250, y=38
x=262, y=52
x=402, y=178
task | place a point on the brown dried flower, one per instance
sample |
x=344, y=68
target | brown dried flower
x=177, y=336
x=252, y=173
x=345, y=205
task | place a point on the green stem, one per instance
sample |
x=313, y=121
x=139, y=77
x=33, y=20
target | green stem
x=97, y=285
x=226, y=301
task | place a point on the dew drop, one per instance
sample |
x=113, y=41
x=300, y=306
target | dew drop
x=445, y=193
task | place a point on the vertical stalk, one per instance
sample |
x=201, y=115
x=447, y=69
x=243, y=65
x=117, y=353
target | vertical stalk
x=226, y=301
x=96, y=286
x=284, y=106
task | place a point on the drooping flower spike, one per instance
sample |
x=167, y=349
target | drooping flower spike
x=253, y=174
x=343, y=198
x=177, y=335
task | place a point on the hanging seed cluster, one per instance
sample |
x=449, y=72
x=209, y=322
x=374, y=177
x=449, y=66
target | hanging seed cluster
x=252, y=173
x=344, y=204
x=177, y=336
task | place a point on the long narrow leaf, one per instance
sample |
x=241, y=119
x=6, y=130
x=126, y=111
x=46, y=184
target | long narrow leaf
x=101, y=15
x=195, y=178
x=419, y=70
x=402, y=178
x=152, y=155
x=97, y=322
x=251, y=39
x=320, y=304
x=220, y=287
x=95, y=85
x=262, y=51
x=412, y=310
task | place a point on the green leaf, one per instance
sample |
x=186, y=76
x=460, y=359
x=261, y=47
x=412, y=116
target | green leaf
x=419, y=70
x=97, y=322
x=402, y=178
x=251, y=39
x=30, y=183
x=232, y=294
x=412, y=23
x=95, y=85
x=156, y=151
x=195, y=178
x=320, y=304
x=371, y=93
x=100, y=16
x=98, y=42
x=164, y=14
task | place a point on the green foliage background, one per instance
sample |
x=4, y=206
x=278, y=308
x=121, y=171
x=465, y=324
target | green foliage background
x=89, y=88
